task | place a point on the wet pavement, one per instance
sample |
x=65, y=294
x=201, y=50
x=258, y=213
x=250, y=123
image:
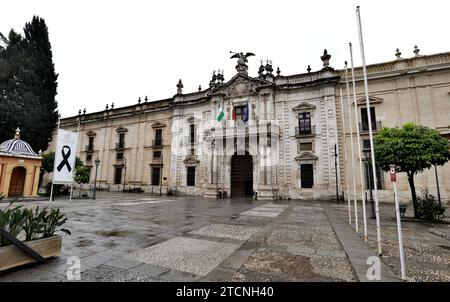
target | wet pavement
x=427, y=251
x=138, y=237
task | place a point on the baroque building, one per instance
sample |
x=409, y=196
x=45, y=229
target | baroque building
x=268, y=136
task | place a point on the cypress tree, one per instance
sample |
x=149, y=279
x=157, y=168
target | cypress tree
x=28, y=85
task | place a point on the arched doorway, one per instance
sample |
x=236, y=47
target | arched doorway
x=17, y=181
x=241, y=175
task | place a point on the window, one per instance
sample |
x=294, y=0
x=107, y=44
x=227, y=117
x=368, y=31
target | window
x=119, y=156
x=190, y=181
x=305, y=146
x=366, y=144
x=239, y=113
x=365, y=120
x=304, y=123
x=192, y=133
x=91, y=143
x=121, y=140
x=157, y=154
x=118, y=175
x=88, y=157
x=307, y=176
x=369, y=177
x=158, y=137
x=156, y=176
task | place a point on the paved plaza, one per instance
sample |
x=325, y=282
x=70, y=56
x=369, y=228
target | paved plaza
x=138, y=237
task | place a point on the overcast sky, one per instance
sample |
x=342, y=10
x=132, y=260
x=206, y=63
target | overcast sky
x=117, y=51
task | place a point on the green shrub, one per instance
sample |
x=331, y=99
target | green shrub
x=429, y=208
x=35, y=224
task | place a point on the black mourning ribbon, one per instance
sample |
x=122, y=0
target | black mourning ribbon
x=65, y=161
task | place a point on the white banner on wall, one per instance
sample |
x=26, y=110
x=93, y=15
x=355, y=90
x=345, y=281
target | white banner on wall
x=65, y=154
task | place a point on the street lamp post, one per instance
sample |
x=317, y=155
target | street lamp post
x=97, y=163
x=125, y=173
x=368, y=155
x=160, y=175
x=336, y=171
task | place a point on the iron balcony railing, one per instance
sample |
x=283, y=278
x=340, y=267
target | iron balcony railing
x=305, y=131
x=157, y=142
x=120, y=145
x=89, y=148
x=364, y=127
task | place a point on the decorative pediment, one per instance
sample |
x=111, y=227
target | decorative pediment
x=306, y=156
x=91, y=133
x=191, y=160
x=158, y=124
x=121, y=129
x=372, y=100
x=240, y=85
x=190, y=120
x=304, y=107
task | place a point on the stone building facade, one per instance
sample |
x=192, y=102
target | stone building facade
x=268, y=136
x=132, y=144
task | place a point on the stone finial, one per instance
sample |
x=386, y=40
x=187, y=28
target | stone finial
x=309, y=69
x=106, y=107
x=278, y=71
x=139, y=100
x=146, y=99
x=112, y=105
x=220, y=77
x=398, y=54
x=84, y=111
x=79, y=112
x=17, y=136
x=180, y=86
x=40, y=152
x=416, y=50
x=261, y=70
x=199, y=88
x=268, y=67
x=325, y=59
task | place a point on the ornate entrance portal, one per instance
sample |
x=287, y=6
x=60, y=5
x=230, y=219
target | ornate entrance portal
x=17, y=181
x=241, y=175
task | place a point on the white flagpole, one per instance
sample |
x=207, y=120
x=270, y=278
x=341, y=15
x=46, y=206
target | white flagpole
x=374, y=174
x=53, y=174
x=345, y=156
x=351, y=148
x=78, y=134
x=359, y=145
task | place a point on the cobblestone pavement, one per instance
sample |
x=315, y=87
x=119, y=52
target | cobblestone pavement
x=427, y=255
x=138, y=237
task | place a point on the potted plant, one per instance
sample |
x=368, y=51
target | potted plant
x=35, y=227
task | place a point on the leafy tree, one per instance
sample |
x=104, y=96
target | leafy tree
x=28, y=85
x=412, y=148
x=82, y=175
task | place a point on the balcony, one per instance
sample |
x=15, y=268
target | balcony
x=89, y=148
x=120, y=146
x=364, y=127
x=232, y=129
x=157, y=142
x=305, y=131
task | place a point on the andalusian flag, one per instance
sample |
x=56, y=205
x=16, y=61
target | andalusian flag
x=221, y=114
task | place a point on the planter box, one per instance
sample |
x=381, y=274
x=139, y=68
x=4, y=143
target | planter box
x=11, y=256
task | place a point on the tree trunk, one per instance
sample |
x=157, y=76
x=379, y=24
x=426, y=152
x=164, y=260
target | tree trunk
x=413, y=193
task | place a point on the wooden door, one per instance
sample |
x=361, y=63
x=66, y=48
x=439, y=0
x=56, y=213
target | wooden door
x=241, y=176
x=17, y=181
